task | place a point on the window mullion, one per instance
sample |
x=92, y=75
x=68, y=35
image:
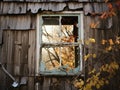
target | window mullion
x=60, y=53
x=60, y=38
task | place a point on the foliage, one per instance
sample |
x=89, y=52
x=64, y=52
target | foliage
x=101, y=76
x=108, y=56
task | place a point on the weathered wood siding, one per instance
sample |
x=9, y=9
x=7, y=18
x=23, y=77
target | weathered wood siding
x=23, y=8
x=18, y=22
x=56, y=0
x=18, y=56
x=18, y=39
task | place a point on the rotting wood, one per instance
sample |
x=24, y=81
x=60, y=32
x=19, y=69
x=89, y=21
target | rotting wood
x=24, y=53
x=16, y=48
x=17, y=56
x=96, y=8
x=68, y=86
x=46, y=84
x=31, y=83
x=55, y=0
x=1, y=36
x=9, y=54
x=59, y=44
x=10, y=49
x=31, y=53
x=18, y=22
x=23, y=8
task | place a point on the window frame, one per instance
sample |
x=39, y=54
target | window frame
x=39, y=67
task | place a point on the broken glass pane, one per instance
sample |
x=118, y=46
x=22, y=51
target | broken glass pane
x=67, y=33
x=59, y=30
x=50, y=20
x=69, y=28
x=56, y=57
x=51, y=33
x=50, y=29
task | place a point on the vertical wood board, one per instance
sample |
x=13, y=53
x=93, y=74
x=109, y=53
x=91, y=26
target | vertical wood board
x=32, y=53
x=17, y=55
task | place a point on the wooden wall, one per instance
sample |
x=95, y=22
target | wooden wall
x=18, y=57
x=18, y=41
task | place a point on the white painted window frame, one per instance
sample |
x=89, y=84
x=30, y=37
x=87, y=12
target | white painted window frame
x=39, y=35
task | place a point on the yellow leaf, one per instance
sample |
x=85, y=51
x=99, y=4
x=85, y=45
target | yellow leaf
x=94, y=25
x=101, y=82
x=107, y=82
x=104, y=15
x=97, y=86
x=87, y=42
x=113, y=13
x=94, y=55
x=87, y=56
x=92, y=40
x=109, y=48
x=111, y=42
x=103, y=42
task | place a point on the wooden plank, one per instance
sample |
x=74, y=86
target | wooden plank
x=54, y=84
x=87, y=21
x=2, y=75
x=18, y=22
x=73, y=87
x=34, y=0
x=4, y=50
x=52, y=0
x=68, y=86
x=46, y=84
x=17, y=52
x=1, y=32
x=31, y=53
x=13, y=8
x=33, y=21
x=23, y=21
x=73, y=5
x=9, y=56
x=97, y=8
x=23, y=8
x=10, y=49
x=2, y=80
x=3, y=60
x=1, y=6
x=116, y=26
x=24, y=53
x=45, y=6
x=62, y=84
x=31, y=83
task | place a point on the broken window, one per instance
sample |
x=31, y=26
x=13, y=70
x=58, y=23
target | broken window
x=60, y=51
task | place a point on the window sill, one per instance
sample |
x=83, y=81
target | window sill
x=62, y=72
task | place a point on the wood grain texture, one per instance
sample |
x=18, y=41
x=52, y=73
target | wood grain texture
x=17, y=55
x=27, y=7
x=31, y=83
x=31, y=53
x=1, y=36
x=97, y=8
x=18, y=22
x=24, y=53
x=55, y=0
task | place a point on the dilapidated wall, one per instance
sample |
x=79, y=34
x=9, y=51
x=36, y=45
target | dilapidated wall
x=18, y=56
x=18, y=39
